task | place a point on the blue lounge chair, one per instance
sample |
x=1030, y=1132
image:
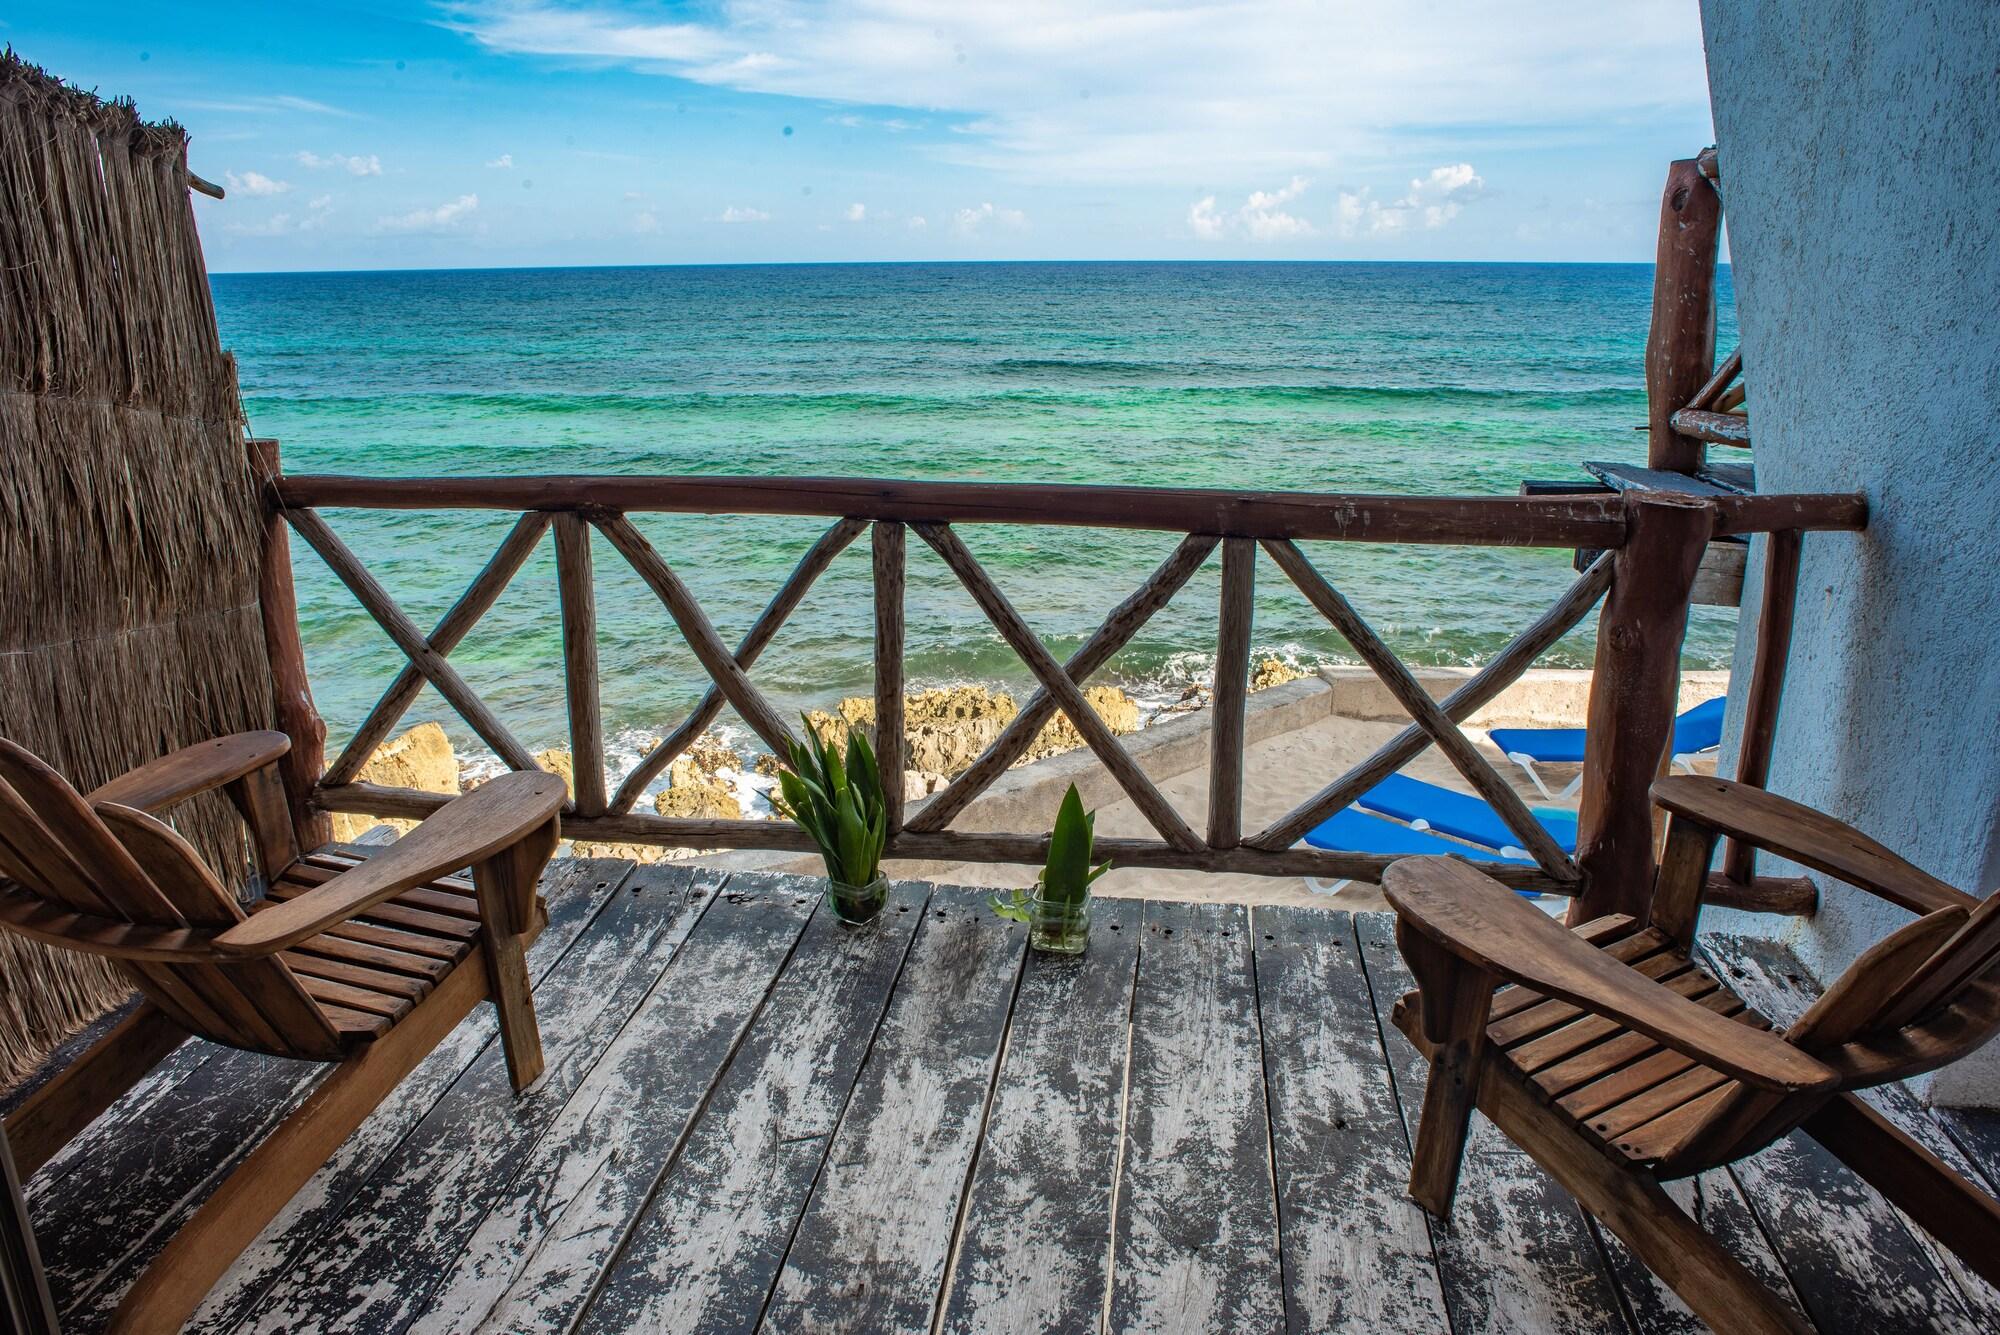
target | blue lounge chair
x=1696, y=733
x=1425, y=806
x=1355, y=831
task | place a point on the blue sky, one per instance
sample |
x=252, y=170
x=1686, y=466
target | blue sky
x=530, y=132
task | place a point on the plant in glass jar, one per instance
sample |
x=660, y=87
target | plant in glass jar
x=839, y=803
x=1057, y=910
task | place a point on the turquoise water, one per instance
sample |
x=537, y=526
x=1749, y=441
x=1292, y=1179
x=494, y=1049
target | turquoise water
x=1354, y=377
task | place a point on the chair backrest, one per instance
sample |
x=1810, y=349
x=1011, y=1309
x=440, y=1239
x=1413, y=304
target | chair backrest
x=1923, y=997
x=110, y=867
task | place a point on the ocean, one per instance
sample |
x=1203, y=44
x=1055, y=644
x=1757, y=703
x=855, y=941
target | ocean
x=1405, y=378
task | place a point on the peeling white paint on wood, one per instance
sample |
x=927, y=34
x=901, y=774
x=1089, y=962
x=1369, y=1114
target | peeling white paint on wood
x=1197, y=1226
x=1357, y=1250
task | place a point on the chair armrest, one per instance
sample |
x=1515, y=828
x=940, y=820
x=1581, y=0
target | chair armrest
x=161, y=783
x=465, y=831
x=1480, y=921
x=1811, y=838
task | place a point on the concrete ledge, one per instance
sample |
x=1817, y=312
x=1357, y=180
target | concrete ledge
x=1540, y=697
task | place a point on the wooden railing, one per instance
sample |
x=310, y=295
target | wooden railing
x=1651, y=544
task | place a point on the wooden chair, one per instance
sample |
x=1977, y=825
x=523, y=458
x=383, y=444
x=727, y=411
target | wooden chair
x=1617, y=1061
x=367, y=963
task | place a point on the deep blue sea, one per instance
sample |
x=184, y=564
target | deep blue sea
x=1407, y=378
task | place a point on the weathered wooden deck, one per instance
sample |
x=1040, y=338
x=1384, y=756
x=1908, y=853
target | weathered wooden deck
x=754, y=1118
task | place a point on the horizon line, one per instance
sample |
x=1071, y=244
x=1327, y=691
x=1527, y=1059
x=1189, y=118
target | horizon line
x=933, y=263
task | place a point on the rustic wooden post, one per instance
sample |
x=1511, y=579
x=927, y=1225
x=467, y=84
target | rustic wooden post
x=889, y=541
x=1232, y=693
x=1633, y=692
x=577, y=588
x=1680, y=346
x=291, y=690
x=1767, y=680
x=24, y=1287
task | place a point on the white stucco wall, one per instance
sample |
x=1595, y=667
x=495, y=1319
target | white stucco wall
x=1860, y=151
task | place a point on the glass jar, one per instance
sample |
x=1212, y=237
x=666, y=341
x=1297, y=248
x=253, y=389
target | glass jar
x=1059, y=926
x=856, y=904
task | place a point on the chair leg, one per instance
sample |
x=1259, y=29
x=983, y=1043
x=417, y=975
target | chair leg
x=1455, y=1000
x=270, y=1175
x=506, y=887
x=1527, y=764
x=1629, y=1202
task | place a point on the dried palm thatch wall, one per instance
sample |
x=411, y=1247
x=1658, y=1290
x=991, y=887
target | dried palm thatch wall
x=128, y=524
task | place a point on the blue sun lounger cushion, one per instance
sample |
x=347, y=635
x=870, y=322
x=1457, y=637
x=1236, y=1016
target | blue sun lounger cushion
x=1460, y=815
x=1355, y=831
x=1698, y=730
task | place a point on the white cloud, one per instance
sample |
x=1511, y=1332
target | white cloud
x=1261, y=217
x=1135, y=90
x=264, y=106
x=353, y=164
x=1432, y=201
x=319, y=202
x=442, y=218
x=644, y=222
x=969, y=222
x=857, y=213
x=254, y=184
x=918, y=222
x=282, y=224
x=504, y=161
x=732, y=214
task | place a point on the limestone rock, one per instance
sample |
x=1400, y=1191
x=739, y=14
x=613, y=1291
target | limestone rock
x=557, y=761
x=699, y=801
x=1275, y=672
x=1119, y=711
x=421, y=758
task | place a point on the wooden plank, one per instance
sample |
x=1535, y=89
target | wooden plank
x=577, y=589
x=1232, y=692
x=698, y=631
x=889, y=542
x=1426, y=712
x=871, y=1251
x=1976, y=1132
x=1357, y=1251
x=534, y=1258
x=451, y=628
x=291, y=686
x=1580, y=521
x=1680, y=344
x=375, y=600
x=1767, y=681
x=1197, y=1219
x=1715, y=1202
x=1125, y=621
x=1412, y=741
x=1028, y=647
x=810, y=567
x=1517, y=1253
x=216, y=1118
x=706, y=1251
x=1032, y=1251
x=1713, y=428
x=378, y=1264
x=1856, y=1263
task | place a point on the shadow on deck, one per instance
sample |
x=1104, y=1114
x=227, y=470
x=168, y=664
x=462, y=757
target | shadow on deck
x=751, y=1116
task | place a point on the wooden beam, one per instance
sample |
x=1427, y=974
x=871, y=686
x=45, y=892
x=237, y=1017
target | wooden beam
x=1029, y=648
x=1680, y=345
x=1125, y=621
x=451, y=628
x=942, y=846
x=699, y=632
x=1731, y=367
x=376, y=601
x=1767, y=680
x=1736, y=516
x=1465, y=758
x=1791, y=896
x=1232, y=693
x=1515, y=521
x=888, y=559
x=1505, y=668
x=1714, y=428
x=24, y=1285
x=577, y=587
x=810, y=567
x=1633, y=691
x=291, y=687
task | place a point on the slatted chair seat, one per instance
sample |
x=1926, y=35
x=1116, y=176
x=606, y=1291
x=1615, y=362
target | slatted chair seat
x=367, y=962
x=1616, y=1060
x=1628, y=1093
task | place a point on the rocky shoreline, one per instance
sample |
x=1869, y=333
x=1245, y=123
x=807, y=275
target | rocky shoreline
x=944, y=730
